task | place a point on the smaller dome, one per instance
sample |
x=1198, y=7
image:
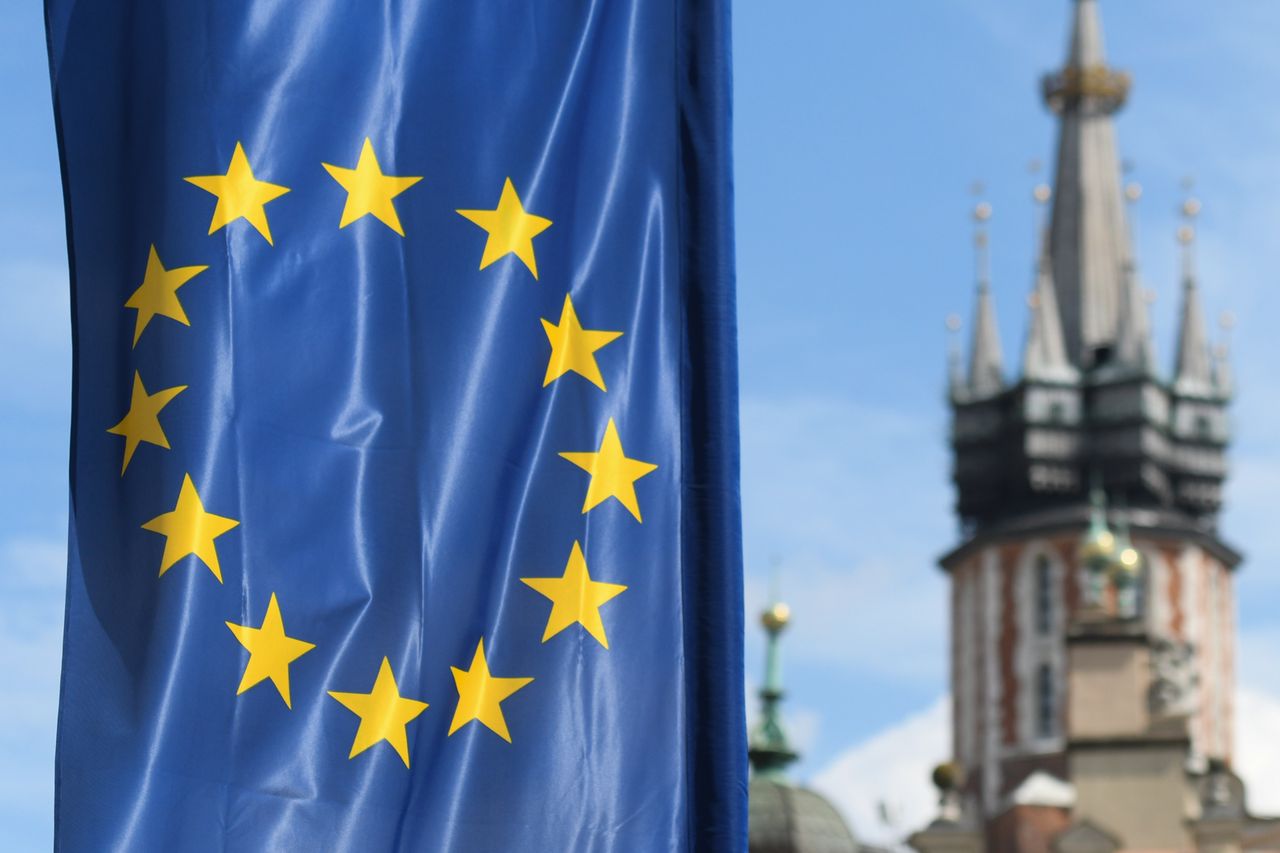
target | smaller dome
x=1098, y=545
x=787, y=819
x=1127, y=562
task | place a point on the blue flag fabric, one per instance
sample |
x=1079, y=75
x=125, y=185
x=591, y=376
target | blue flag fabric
x=403, y=471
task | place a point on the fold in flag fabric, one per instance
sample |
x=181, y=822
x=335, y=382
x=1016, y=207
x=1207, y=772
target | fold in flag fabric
x=404, y=488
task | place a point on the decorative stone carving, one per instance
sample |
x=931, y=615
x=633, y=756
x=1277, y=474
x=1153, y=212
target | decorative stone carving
x=1174, y=682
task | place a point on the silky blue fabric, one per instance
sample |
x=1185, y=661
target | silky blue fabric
x=371, y=409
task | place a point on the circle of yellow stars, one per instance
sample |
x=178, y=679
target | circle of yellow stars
x=190, y=530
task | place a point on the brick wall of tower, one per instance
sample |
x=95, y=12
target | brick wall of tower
x=1189, y=598
x=1008, y=646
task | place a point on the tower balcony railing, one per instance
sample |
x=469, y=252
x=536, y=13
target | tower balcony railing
x=1096, y=85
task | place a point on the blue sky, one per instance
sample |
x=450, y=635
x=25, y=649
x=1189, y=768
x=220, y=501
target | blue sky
x=860, y=129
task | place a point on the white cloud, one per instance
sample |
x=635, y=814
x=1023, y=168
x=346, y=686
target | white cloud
x=35, y=336
x=849, y=617
x=1257, y=750
x=32, y=573
x=892, y=768
x=34, y=563
x=824, y=474
x=854, y=498
x=887, y=776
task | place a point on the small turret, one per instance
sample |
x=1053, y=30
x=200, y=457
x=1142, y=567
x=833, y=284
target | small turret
x=986, y=360
x=1097, y=548
x=1193, y=371
x=1045, y=358
x=769, y=751
x=1134, y=351
x=1126, y=572
x=784, y=817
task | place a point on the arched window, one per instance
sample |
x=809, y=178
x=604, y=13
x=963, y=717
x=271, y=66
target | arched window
x=1043, y=596
x=1046, y=702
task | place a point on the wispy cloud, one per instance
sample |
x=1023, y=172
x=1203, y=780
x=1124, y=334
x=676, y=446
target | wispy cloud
x=1257, y=757
x=882, y=784
x=32, y=573
x=853, y=501
x=35, y=336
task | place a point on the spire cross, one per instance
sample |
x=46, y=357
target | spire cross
x=1132, y=195
x=981, y=242
x=1187, y=238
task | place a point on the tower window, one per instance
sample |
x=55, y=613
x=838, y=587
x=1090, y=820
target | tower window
x=1044, y=597
x=1204, y=428
x=1046, y=699
x=1057, y=413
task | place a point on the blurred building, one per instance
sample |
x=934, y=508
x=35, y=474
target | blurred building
x=785, y=817
x=1092, y=606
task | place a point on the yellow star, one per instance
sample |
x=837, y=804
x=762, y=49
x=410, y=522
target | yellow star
x=190, y=530
x=158, y=293
x=480, y=695
x=511, y=229
x=573, y=347
x=240, y=195
x=142, y=423
x=383, y=714
x=575, y=597
x=369, y=191
x=270, y=651
x=613, y=475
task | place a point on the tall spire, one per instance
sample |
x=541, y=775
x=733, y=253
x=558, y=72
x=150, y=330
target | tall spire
x=769, y=751
x=1193, y=371
x=1088, y=237
x=1045, y=358
x=986, y=361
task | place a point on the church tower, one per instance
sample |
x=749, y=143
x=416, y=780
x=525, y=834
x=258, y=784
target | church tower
x=1092, y=611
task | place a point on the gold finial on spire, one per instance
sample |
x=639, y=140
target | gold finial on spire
x=775, y=617
x=776, y=614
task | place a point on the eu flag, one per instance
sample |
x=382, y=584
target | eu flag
x=404, y=454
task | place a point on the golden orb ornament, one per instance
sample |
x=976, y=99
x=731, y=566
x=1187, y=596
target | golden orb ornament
x=1100, y=546
x=982, y=212
x=1042, y=193
x=948, y=776
x=1128, y=561
x=775, y=617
